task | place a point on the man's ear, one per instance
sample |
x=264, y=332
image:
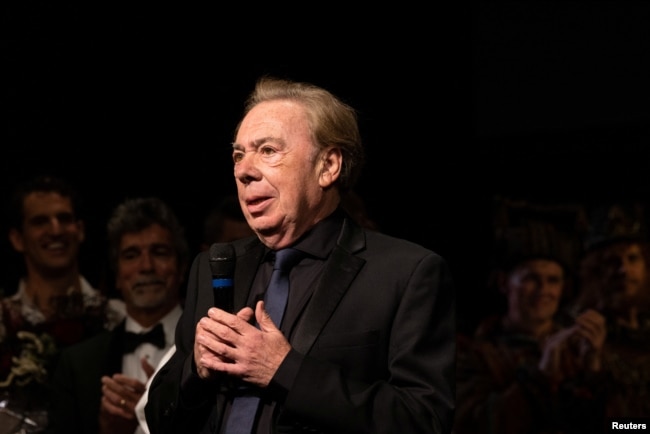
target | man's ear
x=331, y=163
x=16, y=239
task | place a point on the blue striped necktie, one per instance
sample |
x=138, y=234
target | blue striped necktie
x=244, y=408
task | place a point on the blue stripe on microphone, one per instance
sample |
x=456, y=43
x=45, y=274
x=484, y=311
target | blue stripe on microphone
x=220, y=283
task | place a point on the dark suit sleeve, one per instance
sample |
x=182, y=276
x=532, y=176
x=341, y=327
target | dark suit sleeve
x=76, y=388
x=65, y=413
x=179, y=400
x=417, y=393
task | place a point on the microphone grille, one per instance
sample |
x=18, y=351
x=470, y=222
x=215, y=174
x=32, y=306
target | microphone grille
x=222, y=259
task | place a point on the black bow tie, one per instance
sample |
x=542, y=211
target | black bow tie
x=155, y=336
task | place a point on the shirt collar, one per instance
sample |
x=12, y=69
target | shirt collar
x=168, y=321
x=320, y=240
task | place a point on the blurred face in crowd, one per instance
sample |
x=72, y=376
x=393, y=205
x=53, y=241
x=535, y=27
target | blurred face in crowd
x=234, y=230
x=625, y=271
x=148, y=272
x=280, y=174
x=533, y=290
x=51, y=234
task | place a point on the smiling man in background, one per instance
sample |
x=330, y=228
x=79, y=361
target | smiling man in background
x=99, y=382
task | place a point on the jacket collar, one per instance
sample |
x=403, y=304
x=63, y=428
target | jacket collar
x=341, y=267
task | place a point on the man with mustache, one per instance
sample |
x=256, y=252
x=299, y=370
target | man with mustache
x=99, y=382
x=615, y=280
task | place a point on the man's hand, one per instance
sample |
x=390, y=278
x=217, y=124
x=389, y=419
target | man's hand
x=120, y=394
x=575, y=348
x=204, y=339
x=556, y=360
x=230, y=344
x=592, y=329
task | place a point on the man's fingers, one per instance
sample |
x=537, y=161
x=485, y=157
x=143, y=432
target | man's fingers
x=147, y=367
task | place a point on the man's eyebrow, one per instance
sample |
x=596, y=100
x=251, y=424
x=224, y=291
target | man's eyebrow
x=257, y=143
x=130, y=249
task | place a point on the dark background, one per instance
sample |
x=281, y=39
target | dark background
x=544, y=101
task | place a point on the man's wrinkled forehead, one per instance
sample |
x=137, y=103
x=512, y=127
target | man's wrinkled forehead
x=277, y=118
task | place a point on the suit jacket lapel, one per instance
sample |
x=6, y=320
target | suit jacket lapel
x=248, y=257
x=245, y=271
x=340, y=270
x=205, y=293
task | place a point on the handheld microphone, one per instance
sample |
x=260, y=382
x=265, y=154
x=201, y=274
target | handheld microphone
x=222, y=265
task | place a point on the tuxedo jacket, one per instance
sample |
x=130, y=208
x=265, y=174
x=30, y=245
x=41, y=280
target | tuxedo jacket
x=77, y=388
x=373, y=350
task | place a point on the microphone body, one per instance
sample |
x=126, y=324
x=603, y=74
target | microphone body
x=222, y=264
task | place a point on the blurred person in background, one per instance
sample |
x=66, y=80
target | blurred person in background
x=224, y=223
x=614, y=279
x=98, y=383
x=531, y=369
x=54, y=305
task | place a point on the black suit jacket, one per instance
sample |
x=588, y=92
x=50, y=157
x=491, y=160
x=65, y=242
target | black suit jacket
x=77, y=388
x=373, y=351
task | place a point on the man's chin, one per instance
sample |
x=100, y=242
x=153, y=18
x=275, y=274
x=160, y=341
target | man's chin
x=148, y=303
x=148, y=296
x=263, y=226
x=58, y=268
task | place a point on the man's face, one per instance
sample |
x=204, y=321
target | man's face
x=625, y=270
x=51, y=234
x=534, y=289
x=148, y=273
x=277, y=172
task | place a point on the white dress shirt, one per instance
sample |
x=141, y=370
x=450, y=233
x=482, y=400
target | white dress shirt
x=143, y=428
x=131, y=365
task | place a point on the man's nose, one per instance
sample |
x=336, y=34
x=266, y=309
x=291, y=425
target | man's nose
x=55, y=225
x=147, y=261
x=246, y=169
